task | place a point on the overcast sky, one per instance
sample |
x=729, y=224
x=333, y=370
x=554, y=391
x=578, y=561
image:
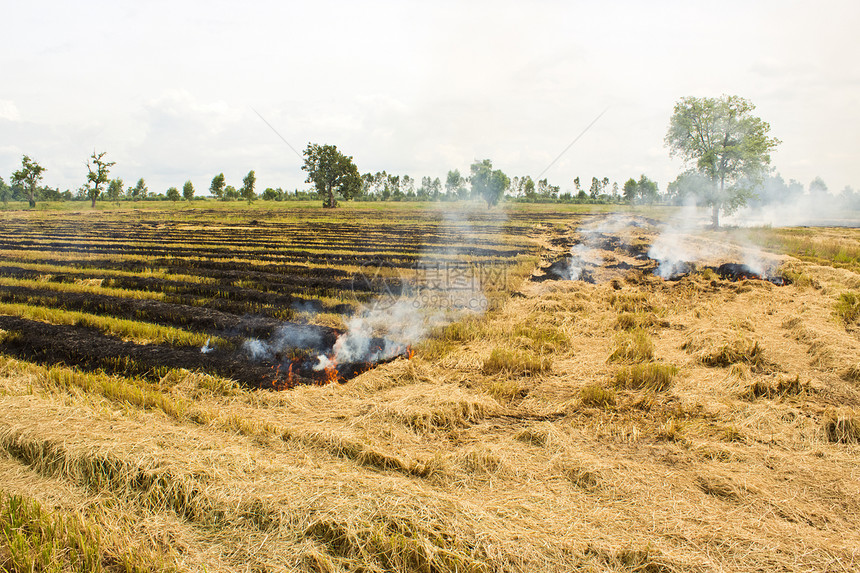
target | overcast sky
x=168, y=89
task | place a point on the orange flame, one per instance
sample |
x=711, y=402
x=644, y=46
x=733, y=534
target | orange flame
x=409, y=353
x=330, y=374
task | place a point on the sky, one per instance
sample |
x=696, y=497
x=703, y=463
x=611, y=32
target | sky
x=172, y=90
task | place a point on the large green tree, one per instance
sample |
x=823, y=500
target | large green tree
x=331, y=172
x=487, y=183
x=98, y=169
x=722, y=139
x=173, y=194
x=27, y=178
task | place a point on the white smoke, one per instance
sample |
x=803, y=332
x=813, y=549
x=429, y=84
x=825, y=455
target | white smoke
x=675, y=248
x=385, y=328
x=256, y=349
x=586, y=254
x=803, y=210
x=581, y=256
x=287, y=336
x=687, y=241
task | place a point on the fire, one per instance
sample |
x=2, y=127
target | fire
x=331, y=375
x=409, y=353
x=283, y=383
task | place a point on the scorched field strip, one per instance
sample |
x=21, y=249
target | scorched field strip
x=616, y=403
x=138, y=293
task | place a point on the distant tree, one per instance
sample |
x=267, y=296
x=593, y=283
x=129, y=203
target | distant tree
x=27, y=178
x=5, y=192
x=689, y=184
x=331, y=172
x=774, y=189
x=139, y=191
x=367, y=187
x=188, y=191
x=529, y=188
x=97, y=175
x=114, y=190
x=543, y=188
x=849, y=198
x=818, y=188
x=375, y=182
x=49, y=193
x=247, y=190
x=435, y=189
x=230, y=193
x=577, y=184
x=173, y=194
x=594, y=190
x=391, y=187
x=631, y=190
x=488, y=183
x=423, y=192
x=723, y=141
x=455, y=185
x=646, y=189
x=272, y=195
x=395, y=185
x=407, y=186
x=615, y=188
x=217, y=187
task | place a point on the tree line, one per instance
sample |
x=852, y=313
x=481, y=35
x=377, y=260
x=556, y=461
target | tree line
x=25, y=185
x=725, y=147
x=335, y=177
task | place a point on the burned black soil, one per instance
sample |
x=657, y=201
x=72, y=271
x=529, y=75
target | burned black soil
x=88, y=350
x=197, y=318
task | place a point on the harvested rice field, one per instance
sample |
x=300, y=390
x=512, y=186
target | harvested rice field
x=443, y=390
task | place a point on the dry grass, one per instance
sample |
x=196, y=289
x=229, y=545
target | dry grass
x=635, y=346
x=596, y=396
x=848, y=307
x=842, y=427
x=653, y=376
x=460, y=460
x=35, y=539
x=503, y=360
x=724, y=348
x=779, y=387
x=631, y=302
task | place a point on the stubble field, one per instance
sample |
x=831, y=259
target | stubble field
x=243, y=390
